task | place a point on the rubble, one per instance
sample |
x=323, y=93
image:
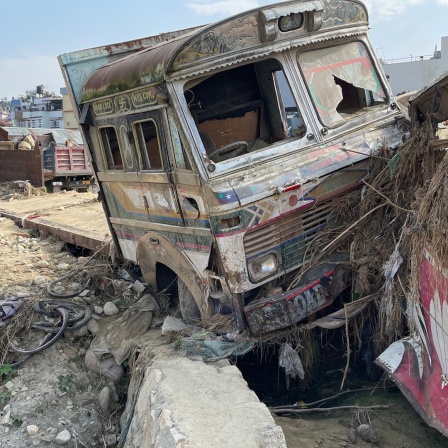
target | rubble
x=19, y=190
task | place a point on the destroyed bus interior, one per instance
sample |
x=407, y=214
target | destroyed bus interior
x=243, y=110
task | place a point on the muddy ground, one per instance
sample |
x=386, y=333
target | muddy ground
x=53, y=399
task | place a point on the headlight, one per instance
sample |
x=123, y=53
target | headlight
x=262, y=267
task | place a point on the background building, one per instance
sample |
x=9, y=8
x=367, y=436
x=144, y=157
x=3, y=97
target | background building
x=69, y=117
x=415, y=72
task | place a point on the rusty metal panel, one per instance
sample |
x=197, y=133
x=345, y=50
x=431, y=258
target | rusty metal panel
x=285, y=309
x=22, y=165
x=146, y=68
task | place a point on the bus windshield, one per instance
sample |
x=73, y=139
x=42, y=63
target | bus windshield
x=342, y=82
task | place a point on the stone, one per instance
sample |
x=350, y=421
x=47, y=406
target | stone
x=47, y=438
x=92, y=326
x=104, y=400
x=63, y=267
x=367, y=433
x=172, y=325
x=42, y=264
x=352, y=435
x=39, y=280
x=110, y=309
x=97, y=309
x=110, y=439
x=138, y=287
x=59, y=290
x=80, y=332
x=22, y=294
x=9, y=385
x=106, y=366
x=32, y=430
x=63, y=437
x=7, y=420
x=84, y=293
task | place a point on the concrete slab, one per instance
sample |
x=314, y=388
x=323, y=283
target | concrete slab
x=184, y=403
x=76, y=218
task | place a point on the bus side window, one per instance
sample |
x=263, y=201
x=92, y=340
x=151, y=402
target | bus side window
x=111, y=148
x=148, y=144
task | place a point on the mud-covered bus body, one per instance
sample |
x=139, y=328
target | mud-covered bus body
x=220, y=149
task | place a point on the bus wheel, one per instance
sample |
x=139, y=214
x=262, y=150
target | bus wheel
x=188, y=306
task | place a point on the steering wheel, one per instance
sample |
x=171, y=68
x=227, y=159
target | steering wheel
x=236, y=147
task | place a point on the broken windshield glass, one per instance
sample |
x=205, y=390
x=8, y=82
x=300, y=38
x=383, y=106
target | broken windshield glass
x=342, y=81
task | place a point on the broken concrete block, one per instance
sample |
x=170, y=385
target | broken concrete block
x=172, y=325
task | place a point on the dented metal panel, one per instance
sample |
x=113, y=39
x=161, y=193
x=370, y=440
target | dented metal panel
x=418, y=364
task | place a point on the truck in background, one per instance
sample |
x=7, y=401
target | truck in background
x=45, y=156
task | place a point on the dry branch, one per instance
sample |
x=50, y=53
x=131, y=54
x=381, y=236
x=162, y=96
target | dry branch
x=336, y=408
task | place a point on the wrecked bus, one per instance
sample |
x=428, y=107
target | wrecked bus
x=220, y=150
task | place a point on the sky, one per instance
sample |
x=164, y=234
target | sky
x=33, y=34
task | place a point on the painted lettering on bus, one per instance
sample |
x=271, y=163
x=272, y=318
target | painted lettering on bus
x=103, y=107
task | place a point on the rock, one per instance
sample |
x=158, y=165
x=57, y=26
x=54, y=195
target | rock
x=88, y=299
x=2, y=219
x=59, y=290
x=63, y=437
x=74, y=286
x=63, y=267
x=104, y=400
x=92, y=326
x=221, y=363
x=172, y=325
x=22, y=294
x=42, y=264
x=138, y=287
x=106, y=366
x=110, y=439
x=84, y=293
x=32, y=430
x=367, y=433
x=110, y=309
x=352, y=435
x=80, y=332
x=9, y=385
x=47, y=438
x=97, y=309
x=39, y=280
x=7, y=420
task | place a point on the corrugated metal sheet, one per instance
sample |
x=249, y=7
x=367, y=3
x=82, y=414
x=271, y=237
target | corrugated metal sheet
x=59, y=136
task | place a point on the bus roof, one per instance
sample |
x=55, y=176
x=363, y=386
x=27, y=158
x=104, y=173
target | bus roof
x=248, y=35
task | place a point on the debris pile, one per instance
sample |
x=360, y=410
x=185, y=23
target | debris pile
x=19, y=189
x=407, y=198
x=51, y=306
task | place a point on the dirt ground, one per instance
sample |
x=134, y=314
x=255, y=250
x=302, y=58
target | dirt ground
x=52, y=392
x=53, y=395
x=399, y=426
